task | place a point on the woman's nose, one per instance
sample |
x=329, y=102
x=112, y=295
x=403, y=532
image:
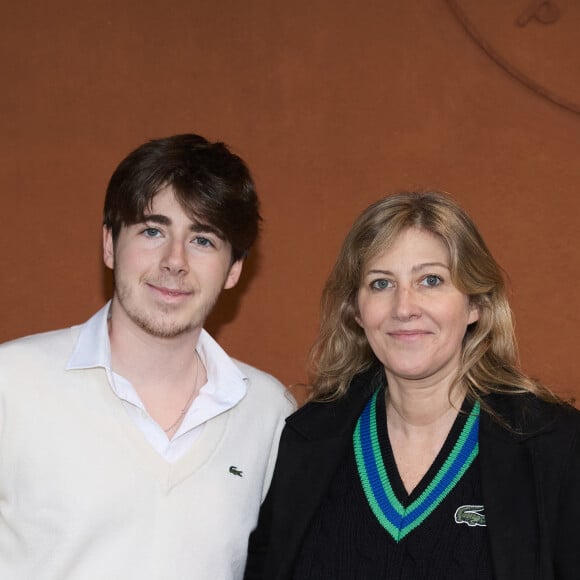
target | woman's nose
x=406, y=304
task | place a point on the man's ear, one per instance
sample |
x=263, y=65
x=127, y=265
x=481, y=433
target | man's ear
x=234, y=274
x=108, y=249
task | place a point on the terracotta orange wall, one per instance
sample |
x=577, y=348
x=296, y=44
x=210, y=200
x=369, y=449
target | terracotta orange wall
x=333, y=104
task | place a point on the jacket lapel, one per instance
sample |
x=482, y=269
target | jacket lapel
x=317, y=438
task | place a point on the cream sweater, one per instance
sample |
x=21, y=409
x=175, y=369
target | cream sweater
x=83, y=496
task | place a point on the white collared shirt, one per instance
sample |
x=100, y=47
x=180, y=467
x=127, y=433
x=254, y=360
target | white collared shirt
x=225, y=386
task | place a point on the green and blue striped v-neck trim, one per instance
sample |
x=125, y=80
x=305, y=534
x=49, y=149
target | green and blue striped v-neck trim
x=395, y=518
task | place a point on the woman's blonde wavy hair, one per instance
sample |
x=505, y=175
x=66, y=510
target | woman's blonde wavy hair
x=489, y=361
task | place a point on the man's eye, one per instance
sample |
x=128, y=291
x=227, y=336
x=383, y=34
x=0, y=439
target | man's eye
x=151, y=232
x=202, y=241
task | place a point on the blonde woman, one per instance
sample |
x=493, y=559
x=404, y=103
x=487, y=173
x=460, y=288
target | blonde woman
x=424, y=453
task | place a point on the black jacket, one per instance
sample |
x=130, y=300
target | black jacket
x=530, y=484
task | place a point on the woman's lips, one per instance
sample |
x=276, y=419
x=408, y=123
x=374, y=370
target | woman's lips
x=408, y=335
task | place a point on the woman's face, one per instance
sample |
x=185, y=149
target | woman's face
x=412, y=314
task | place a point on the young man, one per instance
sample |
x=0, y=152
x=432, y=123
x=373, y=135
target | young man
x=132, y=446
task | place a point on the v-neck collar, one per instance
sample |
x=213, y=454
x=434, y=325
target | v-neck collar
x=398, y=512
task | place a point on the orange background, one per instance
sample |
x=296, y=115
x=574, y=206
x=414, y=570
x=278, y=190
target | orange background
x=333, y=105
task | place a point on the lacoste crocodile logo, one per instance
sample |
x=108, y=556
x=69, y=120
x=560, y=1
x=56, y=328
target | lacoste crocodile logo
x=472, y=515
x=235, y=471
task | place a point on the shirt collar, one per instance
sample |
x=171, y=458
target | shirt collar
x=93, y=348
x=226, y=383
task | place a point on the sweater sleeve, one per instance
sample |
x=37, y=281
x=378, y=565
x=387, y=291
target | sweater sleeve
x=259, y=542
x=567, y=537
x=288, y=407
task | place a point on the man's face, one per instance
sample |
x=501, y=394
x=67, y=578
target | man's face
x=169, y=270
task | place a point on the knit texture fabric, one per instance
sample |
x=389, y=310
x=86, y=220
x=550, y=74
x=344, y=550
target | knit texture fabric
x=346, y=541
x=83, y=496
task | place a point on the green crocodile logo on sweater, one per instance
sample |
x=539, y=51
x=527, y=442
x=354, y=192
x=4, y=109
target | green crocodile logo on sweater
x=471, y=515
x=235, y=471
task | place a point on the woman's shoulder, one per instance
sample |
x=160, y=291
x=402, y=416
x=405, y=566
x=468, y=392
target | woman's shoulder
x=528, y=415
x=321, y=419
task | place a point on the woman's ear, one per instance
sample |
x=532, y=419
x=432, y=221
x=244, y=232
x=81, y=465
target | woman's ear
x=474, y=312
x=356, y=313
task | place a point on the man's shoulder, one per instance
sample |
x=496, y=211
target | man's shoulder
x=265, y=386
x=44, y=344
x=257, y=375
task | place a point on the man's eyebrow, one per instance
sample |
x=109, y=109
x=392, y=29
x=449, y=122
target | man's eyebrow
x=156, y=219
x=198, y=228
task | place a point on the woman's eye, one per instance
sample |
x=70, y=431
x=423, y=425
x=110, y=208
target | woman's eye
x=380, y=284
x=432, y=280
